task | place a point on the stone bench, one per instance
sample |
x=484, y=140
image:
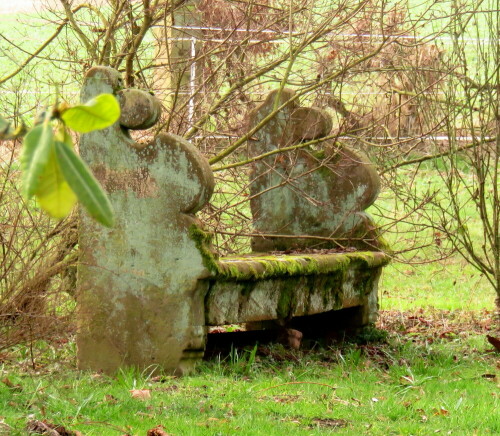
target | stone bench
x=149, y=288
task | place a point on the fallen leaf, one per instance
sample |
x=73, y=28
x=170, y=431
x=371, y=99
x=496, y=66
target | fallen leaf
x=330, y=423
x=157, y=431
x=5, y=428
x=162, y=378
x=141, y=394
x=286, y=398
x=5, y=357
x=111, y=399
x=47, y=428
x=441, y=412
x=6, y=381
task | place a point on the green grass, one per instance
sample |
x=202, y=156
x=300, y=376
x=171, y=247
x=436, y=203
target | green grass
x=413, y=279
x=399, y=388
x=447, y=285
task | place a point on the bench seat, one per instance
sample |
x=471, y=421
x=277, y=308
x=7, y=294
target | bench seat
x=273, y=287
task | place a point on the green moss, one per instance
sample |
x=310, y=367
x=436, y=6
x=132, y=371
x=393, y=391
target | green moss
x=331, y=286
x=288, y=266
x=369, y=335
x=318, y=154
x=363, y=281
x=263, y=267
x=370, y=259
x=384, y=245
x=287, y=300
x=203, y=242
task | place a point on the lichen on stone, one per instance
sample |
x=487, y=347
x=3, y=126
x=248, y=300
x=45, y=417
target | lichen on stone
x=268, y=266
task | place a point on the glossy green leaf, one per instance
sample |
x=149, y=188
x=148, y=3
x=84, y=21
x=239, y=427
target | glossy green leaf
x=35, y=156
x=53, y=192
x=84, y=185
x=98, y=113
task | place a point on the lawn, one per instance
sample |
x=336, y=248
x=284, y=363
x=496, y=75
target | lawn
x=434, y=373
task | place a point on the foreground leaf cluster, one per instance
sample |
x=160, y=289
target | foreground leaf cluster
x=54, y=173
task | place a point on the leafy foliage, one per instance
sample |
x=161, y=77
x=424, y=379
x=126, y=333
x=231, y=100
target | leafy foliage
x=98, y=113
x=53, y=172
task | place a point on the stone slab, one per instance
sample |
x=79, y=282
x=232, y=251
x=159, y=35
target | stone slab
x=260, y=289
x=140, y=298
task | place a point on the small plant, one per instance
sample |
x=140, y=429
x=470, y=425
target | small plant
x=52, y=171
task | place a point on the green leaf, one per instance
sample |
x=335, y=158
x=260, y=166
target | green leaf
x=62, y=134
x=53, y=192
x=98, y=113
x=84, y=185
x=35, y=156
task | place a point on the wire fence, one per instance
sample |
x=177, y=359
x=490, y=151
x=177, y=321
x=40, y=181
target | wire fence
x=197, y=35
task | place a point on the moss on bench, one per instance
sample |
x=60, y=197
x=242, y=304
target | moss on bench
x=255, y=267
x=265, y=266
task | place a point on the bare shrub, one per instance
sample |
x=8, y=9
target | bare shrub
x=35, y=253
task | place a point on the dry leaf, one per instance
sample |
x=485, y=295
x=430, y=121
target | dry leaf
x=441, y=412
x=141, y=394
x=111, y=399
x=6, y=381
x=332, y=423
x=5, y=429
x=47, y=428
x=157, y=431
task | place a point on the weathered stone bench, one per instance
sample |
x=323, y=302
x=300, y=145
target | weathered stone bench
x=149, y=288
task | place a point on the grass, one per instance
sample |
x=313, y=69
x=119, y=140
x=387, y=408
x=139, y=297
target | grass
x=428, y=377
x=414, y=280
x=446, y=285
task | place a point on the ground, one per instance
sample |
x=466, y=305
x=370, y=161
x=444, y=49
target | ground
x=431, y=372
